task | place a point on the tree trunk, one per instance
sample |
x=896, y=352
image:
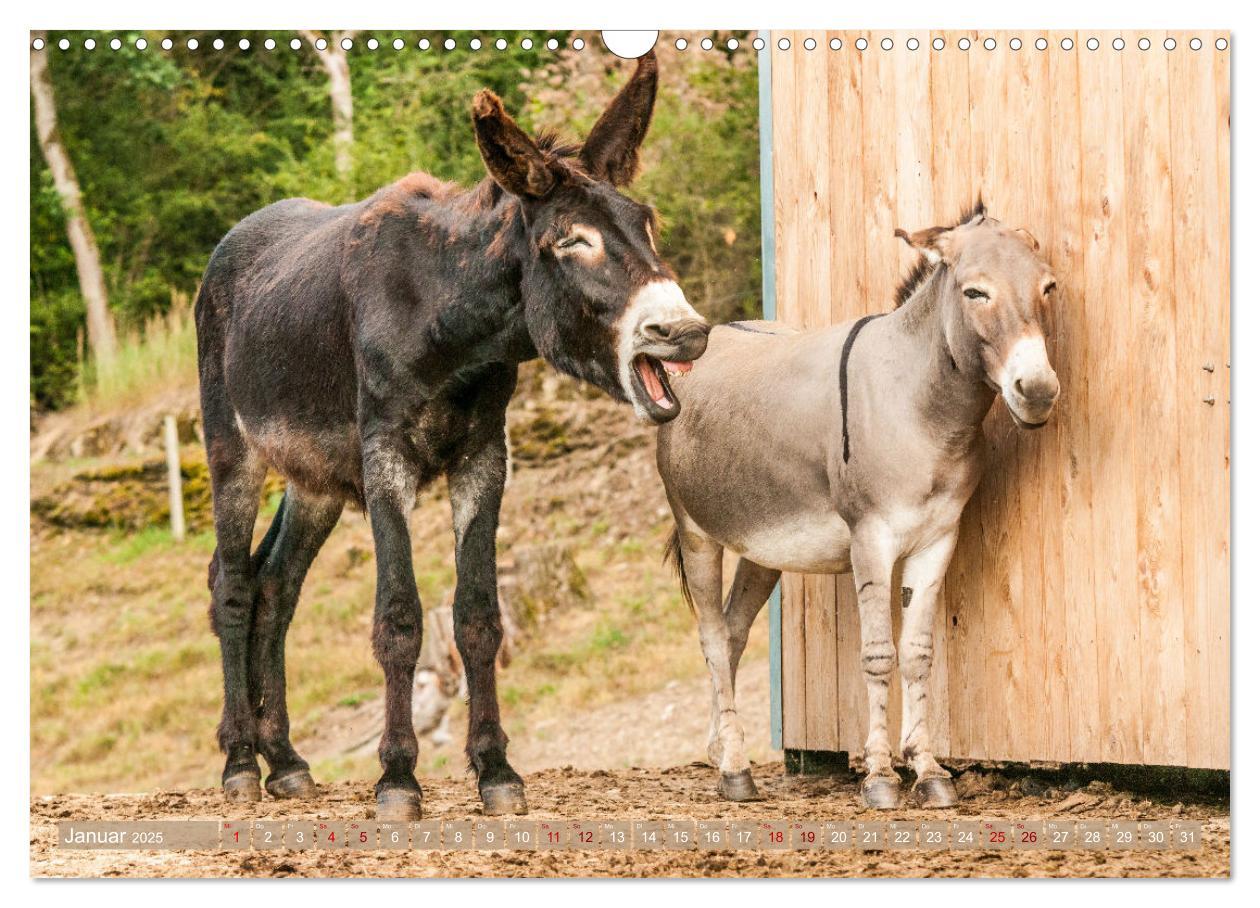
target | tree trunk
x=336, y=64
x=87, y=258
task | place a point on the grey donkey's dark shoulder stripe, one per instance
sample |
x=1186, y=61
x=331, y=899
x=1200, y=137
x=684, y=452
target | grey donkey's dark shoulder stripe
x=844, y=378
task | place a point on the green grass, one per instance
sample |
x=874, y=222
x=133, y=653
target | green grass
x=132, y=547
x=161, y=355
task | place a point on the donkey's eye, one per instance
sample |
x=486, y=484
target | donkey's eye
x=570, y=241
x=974, y=293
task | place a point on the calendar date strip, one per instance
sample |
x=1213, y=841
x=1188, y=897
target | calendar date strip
x=620, y=835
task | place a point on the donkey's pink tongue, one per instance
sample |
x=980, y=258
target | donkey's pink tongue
x=675, y=368
x=650, y=381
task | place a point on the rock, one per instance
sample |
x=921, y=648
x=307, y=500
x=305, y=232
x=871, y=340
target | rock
x=972, y=784
x=543, y=578
x=1031, y=787
x=1077, y=802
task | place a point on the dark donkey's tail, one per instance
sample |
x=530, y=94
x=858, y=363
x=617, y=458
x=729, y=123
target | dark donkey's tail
x=673, y=553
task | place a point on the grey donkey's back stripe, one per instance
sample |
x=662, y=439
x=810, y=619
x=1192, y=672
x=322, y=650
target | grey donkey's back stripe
x=749, y=328
x=844, y=378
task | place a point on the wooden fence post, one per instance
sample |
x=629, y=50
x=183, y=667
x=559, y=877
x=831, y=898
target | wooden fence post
x=173, y=478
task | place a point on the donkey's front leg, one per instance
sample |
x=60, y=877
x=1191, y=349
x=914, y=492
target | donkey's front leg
x=476, y=487
x=390, y=482
x=924, y=573
x=873, y=558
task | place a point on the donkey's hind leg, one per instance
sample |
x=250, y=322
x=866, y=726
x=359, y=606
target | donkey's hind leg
x=305, y=522
x=702, y=567
x=236, y=477
x=748, y=594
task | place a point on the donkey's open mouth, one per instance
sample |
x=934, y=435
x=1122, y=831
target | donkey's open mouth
x=652, y=385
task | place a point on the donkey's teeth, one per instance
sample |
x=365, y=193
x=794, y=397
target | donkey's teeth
x=675, y=368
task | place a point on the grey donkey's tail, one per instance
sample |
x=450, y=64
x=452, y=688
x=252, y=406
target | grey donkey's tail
x=673, y=552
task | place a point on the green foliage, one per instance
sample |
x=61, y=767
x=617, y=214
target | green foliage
x=172, y=148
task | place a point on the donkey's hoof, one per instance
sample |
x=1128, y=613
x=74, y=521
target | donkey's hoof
x=295, y=784
x=880, y=792
x=398, y=805
x=242, y=788
x=934, y=792
x=504, y=798
x=738, y=786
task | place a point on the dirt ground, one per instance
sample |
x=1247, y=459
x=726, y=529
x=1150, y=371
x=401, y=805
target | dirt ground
x=685, y=792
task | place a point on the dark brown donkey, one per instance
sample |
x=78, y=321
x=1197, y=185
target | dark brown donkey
x=363, y=350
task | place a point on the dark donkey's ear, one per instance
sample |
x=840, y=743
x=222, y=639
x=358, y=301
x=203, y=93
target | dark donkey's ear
x=611, y=151
x=511, y=157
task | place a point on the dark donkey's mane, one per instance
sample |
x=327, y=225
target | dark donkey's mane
x=923, y=266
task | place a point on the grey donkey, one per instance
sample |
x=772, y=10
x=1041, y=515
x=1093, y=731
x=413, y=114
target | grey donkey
x=854, y=449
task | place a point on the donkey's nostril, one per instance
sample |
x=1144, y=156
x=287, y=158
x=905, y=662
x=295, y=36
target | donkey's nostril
x=655, y=331
x=1037, y=389
x=675, y=331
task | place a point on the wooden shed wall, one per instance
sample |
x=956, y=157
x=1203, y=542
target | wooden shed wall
x=1086, y=614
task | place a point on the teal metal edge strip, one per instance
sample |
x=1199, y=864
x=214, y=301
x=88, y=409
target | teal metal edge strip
x=765, y=116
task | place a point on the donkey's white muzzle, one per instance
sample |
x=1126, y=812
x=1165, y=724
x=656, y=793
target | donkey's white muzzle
x=658, y=335
x=1030, y=386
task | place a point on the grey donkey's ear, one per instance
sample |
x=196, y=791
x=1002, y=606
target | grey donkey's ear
x=510, y=155
x=611, y=151
x=933, y=242
x=1029, y=240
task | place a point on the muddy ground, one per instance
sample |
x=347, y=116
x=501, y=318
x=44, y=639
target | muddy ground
x=685, y=792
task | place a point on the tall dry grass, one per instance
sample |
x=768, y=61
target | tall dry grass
x=162, y=354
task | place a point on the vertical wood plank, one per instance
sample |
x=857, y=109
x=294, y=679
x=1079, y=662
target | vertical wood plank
x=795, y=700
x=1153, y=387
x=1112, y=423
x=849, y=298
x=1027, y=169
x=882, y=143
x=994, y=140
x=1197, y=260
x=813, y=202
x=912, y=89
x=845, y=94
x=953, y=190
x=1076, y=679
x=851, y=691
x=1044, y=539
x=1218, y=465
x=879, y=175
x=791, y=266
